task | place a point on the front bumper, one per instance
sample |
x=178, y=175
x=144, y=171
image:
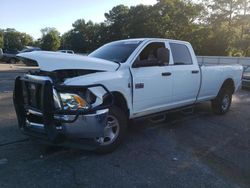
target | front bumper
x=38, y=117
x=85, y=126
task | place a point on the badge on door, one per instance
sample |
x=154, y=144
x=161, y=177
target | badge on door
x=139, y=85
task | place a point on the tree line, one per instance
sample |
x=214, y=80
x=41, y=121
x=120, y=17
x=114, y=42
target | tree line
x=213, y=27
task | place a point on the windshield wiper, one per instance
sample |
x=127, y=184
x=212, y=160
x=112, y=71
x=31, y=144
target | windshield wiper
x=115, y=61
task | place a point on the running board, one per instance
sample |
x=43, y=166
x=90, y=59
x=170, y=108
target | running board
x=158, y=118
x=187, y=110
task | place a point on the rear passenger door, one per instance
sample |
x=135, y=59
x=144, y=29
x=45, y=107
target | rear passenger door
x=186, y=75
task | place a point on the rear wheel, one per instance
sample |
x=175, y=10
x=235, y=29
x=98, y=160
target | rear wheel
x=12, y=61
x=222, y=102
x=114, y=131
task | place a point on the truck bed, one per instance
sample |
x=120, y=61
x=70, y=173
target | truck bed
x=214, y=75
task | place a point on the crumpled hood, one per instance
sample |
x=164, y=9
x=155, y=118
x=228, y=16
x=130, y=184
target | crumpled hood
x=50, y=61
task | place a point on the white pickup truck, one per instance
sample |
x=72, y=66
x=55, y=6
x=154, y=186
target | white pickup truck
x=74, y=100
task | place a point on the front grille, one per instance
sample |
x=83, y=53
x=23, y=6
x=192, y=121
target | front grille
x=246, y=83
x=34, y=105
x=32, y=95
x=246, y=77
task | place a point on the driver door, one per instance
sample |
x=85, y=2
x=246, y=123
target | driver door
x=152, y=83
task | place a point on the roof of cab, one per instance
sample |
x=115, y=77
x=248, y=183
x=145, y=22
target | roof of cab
x=151, y=39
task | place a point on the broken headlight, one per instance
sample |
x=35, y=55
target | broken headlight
x=71, y=101
x=90, y=97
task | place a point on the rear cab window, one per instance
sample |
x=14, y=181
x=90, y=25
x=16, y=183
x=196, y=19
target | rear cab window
x=181, y=54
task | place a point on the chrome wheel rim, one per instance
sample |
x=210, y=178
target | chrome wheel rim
x=111, y=131
x=225, y=102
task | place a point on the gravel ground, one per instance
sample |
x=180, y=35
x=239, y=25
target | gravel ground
x=187, y=150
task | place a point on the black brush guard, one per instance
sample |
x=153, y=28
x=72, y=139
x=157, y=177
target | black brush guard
x=44, y=103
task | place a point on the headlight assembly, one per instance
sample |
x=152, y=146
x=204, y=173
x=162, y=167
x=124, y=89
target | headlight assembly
x=90, y=97
x=73, y=101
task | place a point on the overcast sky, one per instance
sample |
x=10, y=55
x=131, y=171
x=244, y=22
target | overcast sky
x=31, y=16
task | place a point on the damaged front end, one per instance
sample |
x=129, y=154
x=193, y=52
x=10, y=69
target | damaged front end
x=58, y=113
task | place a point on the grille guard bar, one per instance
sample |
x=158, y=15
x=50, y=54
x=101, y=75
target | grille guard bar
x=47, y=103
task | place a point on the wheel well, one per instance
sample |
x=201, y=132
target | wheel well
x=120, y=101
x=228, y=84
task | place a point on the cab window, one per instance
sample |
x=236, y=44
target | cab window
x=154, y=54
x=181, y=54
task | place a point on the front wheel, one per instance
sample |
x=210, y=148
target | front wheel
x=222, y=102
x=114, y=131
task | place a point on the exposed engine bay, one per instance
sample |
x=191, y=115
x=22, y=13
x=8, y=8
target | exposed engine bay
x=59, y=76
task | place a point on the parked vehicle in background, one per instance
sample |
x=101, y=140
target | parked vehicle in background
x=29, y=62
x=66, y=51
x=1, y=53
x=30, y=49
x=246, y=79
x=76, y=98
x=10, y=56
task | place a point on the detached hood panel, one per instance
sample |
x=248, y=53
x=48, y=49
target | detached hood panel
x=51, y=61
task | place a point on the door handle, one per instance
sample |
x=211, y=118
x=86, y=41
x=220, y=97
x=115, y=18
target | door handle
x=195, y=71
x=166, y=74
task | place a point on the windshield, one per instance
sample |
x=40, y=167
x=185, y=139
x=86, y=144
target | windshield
x=116, y=51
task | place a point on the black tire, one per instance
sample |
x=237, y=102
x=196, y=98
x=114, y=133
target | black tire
x=12, y=61
x=114, y=112
x=221, y=104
